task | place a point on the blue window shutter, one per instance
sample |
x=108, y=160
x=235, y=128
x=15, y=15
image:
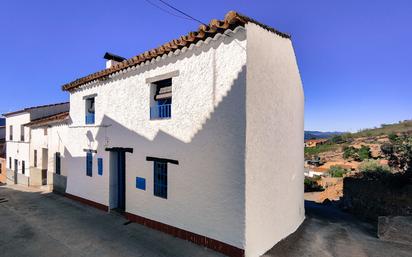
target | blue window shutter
x=89, y=164
x=160, y=179
x=140, y=183
x=100, y=166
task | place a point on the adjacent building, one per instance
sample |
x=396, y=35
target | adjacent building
x=200, y=138
x=2, y=150
x=27, y=166
x=48, y=136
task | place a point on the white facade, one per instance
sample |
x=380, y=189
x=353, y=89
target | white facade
x=274, y=141
x=19, y=152
x=236, y=130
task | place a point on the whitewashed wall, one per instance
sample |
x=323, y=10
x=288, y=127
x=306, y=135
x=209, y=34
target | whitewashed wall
x=16, y=149
x=57, y=141
x=274, y=141
x=206, y=134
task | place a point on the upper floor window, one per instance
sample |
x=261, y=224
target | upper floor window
x=11, y=132
x=161, y=107
x=22, y=133
x=90, y=110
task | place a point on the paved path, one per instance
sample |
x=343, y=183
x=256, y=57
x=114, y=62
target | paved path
x=328, y=232
x=36, y=224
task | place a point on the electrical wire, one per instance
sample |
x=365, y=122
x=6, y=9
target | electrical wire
x=185, y=14
x=164, y=10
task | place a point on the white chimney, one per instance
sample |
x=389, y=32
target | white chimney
x=112, y=59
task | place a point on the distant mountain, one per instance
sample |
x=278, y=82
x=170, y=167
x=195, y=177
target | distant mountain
x=319, y=134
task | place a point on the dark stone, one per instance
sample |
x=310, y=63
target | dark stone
x=395, y=229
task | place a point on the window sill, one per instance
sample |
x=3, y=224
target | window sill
x=157, y=119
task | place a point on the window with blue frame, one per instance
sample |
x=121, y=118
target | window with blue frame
x=89, y=164
x=90, y=110
x=160, y=179
x=100, y=166
x=162, y=108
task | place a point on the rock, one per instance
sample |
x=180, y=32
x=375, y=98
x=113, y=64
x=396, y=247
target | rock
x=395, y=229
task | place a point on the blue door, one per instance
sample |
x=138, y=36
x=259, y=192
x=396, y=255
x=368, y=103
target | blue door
x=121, y=169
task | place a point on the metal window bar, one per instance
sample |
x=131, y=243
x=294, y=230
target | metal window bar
x=163, y=111
x=90, y=118
x=160, y=179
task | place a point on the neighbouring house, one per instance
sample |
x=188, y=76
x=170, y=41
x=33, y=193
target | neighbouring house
x=20, y=160
x=200, y=138
x=2, y=150
x=314, y=142
x=48, y=135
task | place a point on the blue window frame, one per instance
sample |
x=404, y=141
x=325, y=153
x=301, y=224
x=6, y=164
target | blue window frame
x=90, y=110
x=140, y=183
x=160, y=179
x=100, y=166
x=89, y=164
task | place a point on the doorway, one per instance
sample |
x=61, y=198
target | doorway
x=44, y=165
x=117, y=191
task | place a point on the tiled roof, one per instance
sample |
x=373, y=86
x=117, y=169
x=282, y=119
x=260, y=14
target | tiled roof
x=231, y=21
x=49, y=119
x=32, y=108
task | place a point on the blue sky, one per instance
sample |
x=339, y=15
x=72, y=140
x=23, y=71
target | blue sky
x=355, y=57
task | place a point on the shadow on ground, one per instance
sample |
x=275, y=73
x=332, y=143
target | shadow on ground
x=327, y=231
x=49, y=225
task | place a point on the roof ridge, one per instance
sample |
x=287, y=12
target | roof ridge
x=50, y=118
x=33, y=107
x=232, y=19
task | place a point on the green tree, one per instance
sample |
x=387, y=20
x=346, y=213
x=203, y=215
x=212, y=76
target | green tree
x=399, y=153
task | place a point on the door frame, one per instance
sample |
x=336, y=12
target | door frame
x=118, y=169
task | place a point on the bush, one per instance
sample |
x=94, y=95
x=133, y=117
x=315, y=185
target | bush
x=311, y=185
x=364, y=152
x=373, y=166
x=337, y=171
x=350, y=152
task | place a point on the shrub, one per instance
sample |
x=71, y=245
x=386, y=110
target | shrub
x=311, y=185
x=364, y=152
x=373, y=166
x=337, y=139
x=392, y=137
x=350, y=152
x=337, y=171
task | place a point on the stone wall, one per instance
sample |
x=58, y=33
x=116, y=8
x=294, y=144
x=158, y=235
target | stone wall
x=371, y=195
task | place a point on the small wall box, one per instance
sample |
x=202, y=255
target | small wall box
x=140, y=183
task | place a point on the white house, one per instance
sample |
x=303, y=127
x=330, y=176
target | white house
x=48, y=136
x=20, y=160
x=200, y=138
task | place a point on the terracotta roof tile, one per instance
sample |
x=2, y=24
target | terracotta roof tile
x=232, y=20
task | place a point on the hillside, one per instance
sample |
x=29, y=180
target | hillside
x=320, y=135
x=373, y=138
x=385, y=129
